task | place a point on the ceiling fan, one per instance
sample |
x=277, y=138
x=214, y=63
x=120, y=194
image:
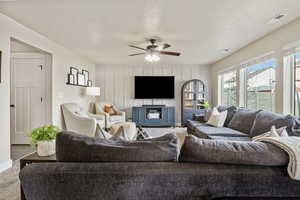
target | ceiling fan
x=153, y=50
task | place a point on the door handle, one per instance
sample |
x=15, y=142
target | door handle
x=12, y=105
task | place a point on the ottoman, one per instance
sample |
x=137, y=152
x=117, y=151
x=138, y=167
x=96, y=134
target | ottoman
x=128, y=127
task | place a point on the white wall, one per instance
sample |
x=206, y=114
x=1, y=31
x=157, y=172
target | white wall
x=117, y=82
x=275, y=41
x=61, y=93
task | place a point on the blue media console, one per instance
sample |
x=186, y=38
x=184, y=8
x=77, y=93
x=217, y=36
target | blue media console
x=154, y=116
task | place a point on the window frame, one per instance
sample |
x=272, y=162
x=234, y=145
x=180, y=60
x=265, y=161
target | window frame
x=294, y=80
x=244, y=88
x=221, y=84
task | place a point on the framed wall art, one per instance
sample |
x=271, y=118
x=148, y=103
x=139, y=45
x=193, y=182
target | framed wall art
x=74, y=71
x=86, y=76
x=80, y=79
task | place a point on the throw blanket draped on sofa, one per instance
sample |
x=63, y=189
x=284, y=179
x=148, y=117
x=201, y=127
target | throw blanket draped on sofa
x=292, y=146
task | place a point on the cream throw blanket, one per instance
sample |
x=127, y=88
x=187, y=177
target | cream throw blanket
x=292, y=146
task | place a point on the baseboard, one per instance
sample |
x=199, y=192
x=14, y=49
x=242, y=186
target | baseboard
x=5, y=165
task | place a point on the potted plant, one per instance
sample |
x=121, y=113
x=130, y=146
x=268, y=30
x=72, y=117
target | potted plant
x=44, y=139
x=204, y=105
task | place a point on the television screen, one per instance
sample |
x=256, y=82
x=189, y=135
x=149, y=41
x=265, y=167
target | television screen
x=154, y=87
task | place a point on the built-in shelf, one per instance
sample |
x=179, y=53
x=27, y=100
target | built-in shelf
x=193, y=95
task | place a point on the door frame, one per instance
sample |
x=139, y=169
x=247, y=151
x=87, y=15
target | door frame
x=48, y=81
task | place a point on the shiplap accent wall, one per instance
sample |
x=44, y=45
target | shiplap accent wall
x=117, y=83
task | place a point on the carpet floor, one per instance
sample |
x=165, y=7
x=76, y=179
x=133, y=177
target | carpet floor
x=9, y=183
x=9, y=179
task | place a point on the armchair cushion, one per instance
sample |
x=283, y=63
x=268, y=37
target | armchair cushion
x=115, y=118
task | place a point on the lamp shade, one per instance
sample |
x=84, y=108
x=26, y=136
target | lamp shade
x=92, y=91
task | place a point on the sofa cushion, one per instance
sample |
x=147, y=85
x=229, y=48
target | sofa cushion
x=265, y=120
x=243, y=120
x=219, y=131
x=232, y=152
x=115, y=118
x=245, y=139
x=72, y=147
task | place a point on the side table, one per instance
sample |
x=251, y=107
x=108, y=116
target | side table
x=34, y=158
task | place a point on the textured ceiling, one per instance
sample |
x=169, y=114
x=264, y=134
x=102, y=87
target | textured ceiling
x=102, y=29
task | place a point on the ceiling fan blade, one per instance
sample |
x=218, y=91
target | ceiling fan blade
x=137, y=47
x=169, y=53
x=136, y=54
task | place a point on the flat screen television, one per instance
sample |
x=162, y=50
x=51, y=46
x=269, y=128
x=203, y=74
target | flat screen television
x=154, y=87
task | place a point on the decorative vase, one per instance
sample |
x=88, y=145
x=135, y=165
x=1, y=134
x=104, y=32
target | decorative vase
x=46, y=148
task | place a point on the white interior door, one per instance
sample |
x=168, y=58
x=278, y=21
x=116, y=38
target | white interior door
x=28, y=97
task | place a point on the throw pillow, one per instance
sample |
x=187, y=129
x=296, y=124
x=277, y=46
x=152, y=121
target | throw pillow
x=217, y=118
x=110, y=110
x=282, y=132
x=230, y=113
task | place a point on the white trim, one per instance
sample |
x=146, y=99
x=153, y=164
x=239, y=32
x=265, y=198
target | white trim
x=258, y=59
x=47, y=66
x=5, y=165
x=28, y=55
x=228, y=70
x=292, y=45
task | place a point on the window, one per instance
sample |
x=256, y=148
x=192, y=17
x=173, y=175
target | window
x=296, y=102
x=228, y=88
x=260, y=86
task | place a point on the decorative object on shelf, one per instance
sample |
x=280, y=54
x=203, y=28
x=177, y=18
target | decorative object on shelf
x=86, y=77
x=205, y=104
x=90, y=83
x=71, y=79
x=44, y=139
x=80, y=79
x=74, y=71
x=193, y=100
x=0, y=65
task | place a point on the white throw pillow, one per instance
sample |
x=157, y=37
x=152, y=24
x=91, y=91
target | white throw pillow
x=281, y=132
x=217, y=118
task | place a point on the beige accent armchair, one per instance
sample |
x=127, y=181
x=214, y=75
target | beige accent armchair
x=83, y=123
x=109, y=119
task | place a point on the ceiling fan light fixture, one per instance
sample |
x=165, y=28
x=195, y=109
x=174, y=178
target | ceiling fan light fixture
x=152, y=57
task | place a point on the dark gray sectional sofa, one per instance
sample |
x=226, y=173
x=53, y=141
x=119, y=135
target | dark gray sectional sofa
x=243, y=124
x=94, y=169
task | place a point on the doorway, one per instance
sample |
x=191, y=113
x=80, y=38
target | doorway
x=30, y=94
